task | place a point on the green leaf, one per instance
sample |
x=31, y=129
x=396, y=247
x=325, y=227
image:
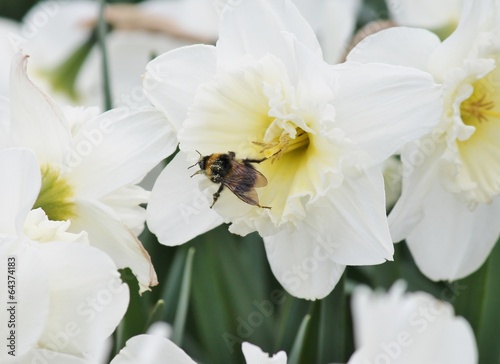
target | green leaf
x=182, y=307
x=488, y=331
x=332, y=326
x=297, y=352
x=137, y=313
x=155, y=314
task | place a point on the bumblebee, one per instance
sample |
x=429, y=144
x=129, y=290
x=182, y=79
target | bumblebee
x=238, y=175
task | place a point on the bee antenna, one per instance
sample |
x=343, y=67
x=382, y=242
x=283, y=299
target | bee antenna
x=201, y=156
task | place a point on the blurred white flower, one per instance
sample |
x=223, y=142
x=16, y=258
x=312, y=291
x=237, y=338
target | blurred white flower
x=449, y=211
x=69, y=296
x=147, y=349
x=254, y=355
x=411, y=328
x=8, y=30
x=68, y=65
x=440, y=16
x=90, y=163
x=265, y=92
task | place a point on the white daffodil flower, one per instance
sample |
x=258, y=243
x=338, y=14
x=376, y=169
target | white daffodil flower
x=90, y=164
x=440, y=16
x=449, y=211
x=264, y=92
x=408, y=328
x=67, y=296
x=146, y=349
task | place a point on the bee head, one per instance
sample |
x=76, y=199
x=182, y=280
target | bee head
x=202, y=162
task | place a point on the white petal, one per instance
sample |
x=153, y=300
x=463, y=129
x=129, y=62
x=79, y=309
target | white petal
x=117, y=149
x=86, y=304
x=254, y=355
x=349, y=222
x=452, y=241
x=382, y=107
x=246, y=24
x=126, y=202
x=171, y=80
x=107, y=233
x=420, y=172
x=37, y=122
x=147, y=349
x=178, y=211
x=410, y=328
x=409, y=47
x=32, y=295
x=5, y=139
x=475, y=19
x=9, y=33
x=52, y=357
x=352, y=220
x=19, y=188
x=339, y=23
x=428, y=14
x=302, y=265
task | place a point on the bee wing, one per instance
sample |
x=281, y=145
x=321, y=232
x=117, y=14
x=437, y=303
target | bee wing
x=260, y=180
x=242, y=182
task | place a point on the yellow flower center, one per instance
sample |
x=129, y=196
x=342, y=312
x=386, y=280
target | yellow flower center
x=480, y=106
x=56, y=195
x=480, y=153
x=285, y=143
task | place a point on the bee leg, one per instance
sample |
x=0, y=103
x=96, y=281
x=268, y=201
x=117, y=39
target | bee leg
x=216, y=195
x=255, y=160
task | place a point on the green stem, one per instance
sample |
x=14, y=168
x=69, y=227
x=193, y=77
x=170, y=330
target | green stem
x=101, y=40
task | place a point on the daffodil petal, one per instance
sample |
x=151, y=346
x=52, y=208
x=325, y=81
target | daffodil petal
x=5, y=139
x=116, y=149
x=19, y=188
x=409, y=47
x=43, y=355
x=232, y=111
x=382, y=107
x=171, y=80
x=108, y=233
x=420, y=171
x=41, y=126
x=424, y=13
x=254, y=355
x=453, y=233
x=475, y=19
x=339, y=23
x=355, y=229
x=177, y=211
x=241, y=31
x=126, y=203
x=33, y=299
x=411, y=328
x=301, y=264
x=9, y=34
x=87, y=298
x=145, y=349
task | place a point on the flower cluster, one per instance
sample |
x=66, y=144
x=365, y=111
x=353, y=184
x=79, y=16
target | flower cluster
x=280, y=129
